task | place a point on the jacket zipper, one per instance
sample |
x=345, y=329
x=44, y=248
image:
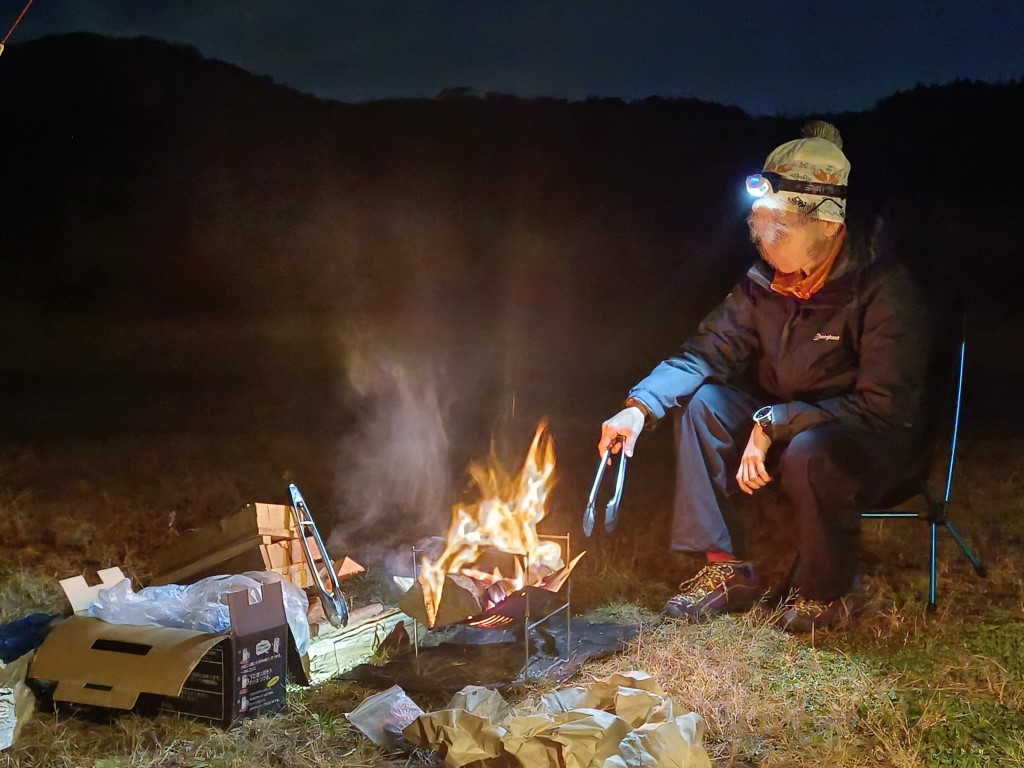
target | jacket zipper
x=794, y=313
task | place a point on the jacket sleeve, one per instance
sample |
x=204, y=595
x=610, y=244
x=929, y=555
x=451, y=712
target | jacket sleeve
x=894, y=352
x=722, y=347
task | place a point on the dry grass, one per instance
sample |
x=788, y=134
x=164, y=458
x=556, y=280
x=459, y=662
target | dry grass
x=899, y=688
x=311, y=732
x=765, y=695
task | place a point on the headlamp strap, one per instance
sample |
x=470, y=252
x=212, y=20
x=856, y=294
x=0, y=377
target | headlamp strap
x=780, y=183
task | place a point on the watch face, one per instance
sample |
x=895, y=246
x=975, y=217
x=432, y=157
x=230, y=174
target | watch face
x=763, y=414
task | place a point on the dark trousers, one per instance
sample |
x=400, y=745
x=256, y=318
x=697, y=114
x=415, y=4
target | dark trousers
x=827, y=475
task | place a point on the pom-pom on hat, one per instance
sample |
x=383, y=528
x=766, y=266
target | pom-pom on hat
x=808, y=175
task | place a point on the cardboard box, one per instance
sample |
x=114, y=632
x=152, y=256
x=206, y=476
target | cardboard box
x=222, y=678
x=80, y=593
x=232, y=545
x=276, y=520
x=276, y=554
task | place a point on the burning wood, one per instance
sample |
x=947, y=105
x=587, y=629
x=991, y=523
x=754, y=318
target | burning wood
x=463, y=598
x=504, y=520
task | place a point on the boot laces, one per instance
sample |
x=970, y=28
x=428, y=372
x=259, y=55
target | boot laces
x=706, y=580
x=811, y=607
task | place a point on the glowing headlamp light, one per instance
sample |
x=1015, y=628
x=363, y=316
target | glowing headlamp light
x=760, y=184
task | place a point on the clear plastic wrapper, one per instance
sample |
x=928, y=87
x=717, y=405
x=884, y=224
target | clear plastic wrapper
x=201, y=606
x=383, y=716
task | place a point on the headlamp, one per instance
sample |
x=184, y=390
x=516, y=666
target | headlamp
x=760, y=184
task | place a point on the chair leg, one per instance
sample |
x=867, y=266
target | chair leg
x=938, y=515
x=932, y=568
x=979, y=567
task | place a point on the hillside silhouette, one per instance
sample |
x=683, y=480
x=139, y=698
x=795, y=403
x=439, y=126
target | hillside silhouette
x=189, y=246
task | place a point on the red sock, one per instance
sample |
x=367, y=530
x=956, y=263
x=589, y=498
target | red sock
x=721, y=557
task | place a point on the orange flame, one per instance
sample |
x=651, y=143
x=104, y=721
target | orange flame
x=505, y=519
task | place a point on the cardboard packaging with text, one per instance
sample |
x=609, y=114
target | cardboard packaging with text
x=218, y=677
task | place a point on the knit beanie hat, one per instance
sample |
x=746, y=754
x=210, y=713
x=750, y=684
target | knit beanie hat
x=806, y=175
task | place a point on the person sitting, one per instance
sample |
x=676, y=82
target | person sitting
x=836, y=335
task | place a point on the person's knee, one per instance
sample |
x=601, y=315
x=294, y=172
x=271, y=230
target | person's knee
x=818, y=461
x=801, y=461
x=706, y=402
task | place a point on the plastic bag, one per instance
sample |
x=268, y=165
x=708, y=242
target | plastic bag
x=24, y=635
x=201, y=606
x=383, y=716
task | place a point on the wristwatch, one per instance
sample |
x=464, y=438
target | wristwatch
x=765, y=419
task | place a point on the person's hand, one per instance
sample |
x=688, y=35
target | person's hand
x=627, y=424
x=752, y=474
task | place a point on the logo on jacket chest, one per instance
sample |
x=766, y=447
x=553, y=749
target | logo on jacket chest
x=825, y=337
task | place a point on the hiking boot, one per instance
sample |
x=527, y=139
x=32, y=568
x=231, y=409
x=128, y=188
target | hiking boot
x=717, y=587
x=804, y=615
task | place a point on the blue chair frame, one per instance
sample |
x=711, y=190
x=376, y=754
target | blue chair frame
x=937, y=515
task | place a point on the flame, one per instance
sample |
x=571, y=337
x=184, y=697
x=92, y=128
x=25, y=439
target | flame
x=505, y=519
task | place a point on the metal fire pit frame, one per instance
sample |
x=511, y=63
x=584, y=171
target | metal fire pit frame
x=528, y=625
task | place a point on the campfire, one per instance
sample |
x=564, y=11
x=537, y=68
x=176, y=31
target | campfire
x=456, y=586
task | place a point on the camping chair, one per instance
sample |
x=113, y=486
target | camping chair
x=937, y=514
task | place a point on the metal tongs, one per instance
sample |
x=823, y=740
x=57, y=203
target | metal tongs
x=332, y=599
x=611, y=510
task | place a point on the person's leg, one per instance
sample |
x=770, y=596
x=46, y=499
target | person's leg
x=711, y=432
x=828, y=477
x=822, y=472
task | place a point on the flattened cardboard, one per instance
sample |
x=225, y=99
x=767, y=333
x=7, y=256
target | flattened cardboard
x=232, y=545
x=222, y=677
x=109, y=665
x=80, y=594
x=335, y=651
x=260, y=537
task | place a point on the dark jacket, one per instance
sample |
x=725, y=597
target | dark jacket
x=855, y=353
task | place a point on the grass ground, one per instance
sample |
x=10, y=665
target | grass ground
x=899, y=688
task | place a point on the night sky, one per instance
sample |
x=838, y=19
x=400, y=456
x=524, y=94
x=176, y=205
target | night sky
x=767, y=58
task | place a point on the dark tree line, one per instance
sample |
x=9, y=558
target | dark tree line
x=142, y=179
x=140, y=173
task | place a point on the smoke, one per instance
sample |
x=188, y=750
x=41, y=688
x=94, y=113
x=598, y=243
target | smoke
x=393, y=473
x=428, y=346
